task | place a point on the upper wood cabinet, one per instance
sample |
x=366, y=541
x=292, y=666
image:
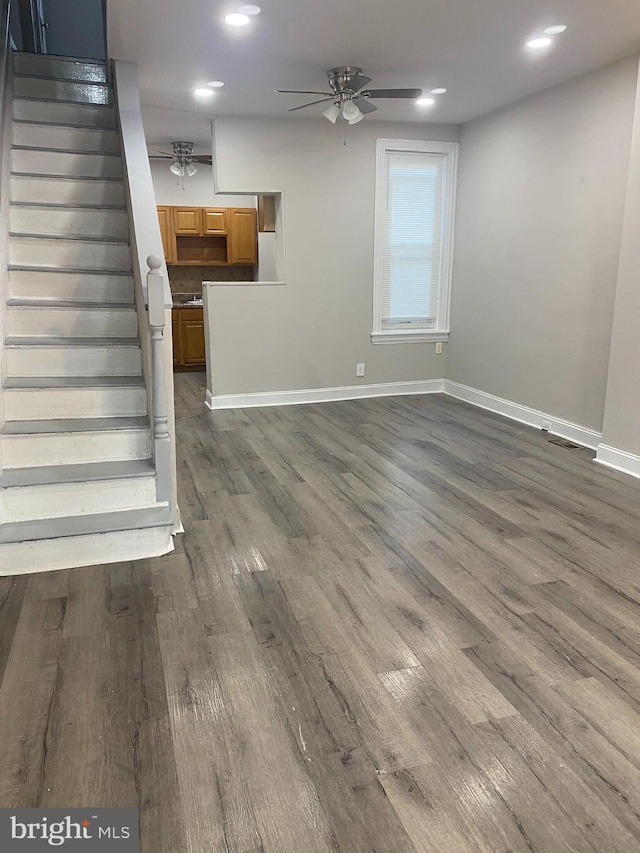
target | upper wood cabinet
x=166, y=231
x=214, y=220
x=209, y=236
x=243, y=238
x=187, y=220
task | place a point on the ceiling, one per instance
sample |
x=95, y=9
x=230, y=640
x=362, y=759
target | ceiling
x=473, y=47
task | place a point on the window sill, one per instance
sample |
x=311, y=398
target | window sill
x=419, y=336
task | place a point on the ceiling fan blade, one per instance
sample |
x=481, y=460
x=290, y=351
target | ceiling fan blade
x=358, y=81
x=202, y=158
x=160, y=157
x=364, y=105
x=311, y=104
x=392, y=93
x=299, y=92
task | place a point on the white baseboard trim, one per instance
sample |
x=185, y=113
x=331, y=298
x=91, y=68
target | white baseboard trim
x=525, y=415
x=619, y=460
x=322, y=395
x=514, y=411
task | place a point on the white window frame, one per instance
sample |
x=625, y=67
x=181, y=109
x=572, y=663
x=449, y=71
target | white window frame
x=450, y=174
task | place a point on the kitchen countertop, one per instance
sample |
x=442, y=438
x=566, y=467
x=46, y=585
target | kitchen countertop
x=182, y=299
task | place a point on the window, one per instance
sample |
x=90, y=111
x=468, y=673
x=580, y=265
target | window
x=415, y=189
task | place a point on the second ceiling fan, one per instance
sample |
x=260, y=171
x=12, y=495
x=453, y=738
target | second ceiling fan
x=348, y=94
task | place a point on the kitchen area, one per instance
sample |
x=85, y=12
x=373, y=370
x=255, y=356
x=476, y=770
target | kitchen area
x=203, y=244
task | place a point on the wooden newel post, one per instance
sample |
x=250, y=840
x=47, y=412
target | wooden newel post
x=161, y=437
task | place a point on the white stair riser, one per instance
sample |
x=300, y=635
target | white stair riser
x=108, y=224
x=69, y=254
x=33, y=451
x=74, y=138
x=73, y=361
x=41, y=190
x=63, y=499
x=70, y=287
x=41, y=65
x=66, y=163
x=72, y=322
x=72, y=114
x=68, y=551
x=27, y=404
x=61, y=90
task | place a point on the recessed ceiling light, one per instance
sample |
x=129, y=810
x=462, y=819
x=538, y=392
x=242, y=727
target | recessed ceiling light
x=439, y=91
x=236, y=19
x=203, y=92
x=250, y=10
x=555, y=30
x=539, y=44
x=215, y=84
x=425, y=102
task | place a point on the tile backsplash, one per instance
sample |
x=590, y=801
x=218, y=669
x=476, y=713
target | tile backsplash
x=189, y=279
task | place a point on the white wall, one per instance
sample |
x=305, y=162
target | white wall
x=197, y=190
x=311, y=332
x=622, y=409
x=541, y=195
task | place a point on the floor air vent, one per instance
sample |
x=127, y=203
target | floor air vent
x=562, y=442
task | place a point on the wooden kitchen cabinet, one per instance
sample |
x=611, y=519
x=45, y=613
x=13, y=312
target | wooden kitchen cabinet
x=209, y=236
x=166, y=231
x=187, y=220
x=188, y=337
x=177, y=342
x=243, y=237
x=214, y=220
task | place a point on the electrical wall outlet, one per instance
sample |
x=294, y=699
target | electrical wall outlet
x=359, y=369
x=439, y=348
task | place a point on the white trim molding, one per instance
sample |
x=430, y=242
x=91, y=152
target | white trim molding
x=619, y=460
x=398, y=336
x=525, y=414
x=322, y=395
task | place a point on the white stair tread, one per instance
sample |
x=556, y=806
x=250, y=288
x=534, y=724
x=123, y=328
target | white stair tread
x=61, y=303
x=68, y=425
x=51, y=149
x=57, y=341
x=78, y=473
x=102, y=84
x=70, y=238
x=74, y=178
x=53, y=206
x=79, y=525
x=75, y=114
x=72, y=381
x=75, y=271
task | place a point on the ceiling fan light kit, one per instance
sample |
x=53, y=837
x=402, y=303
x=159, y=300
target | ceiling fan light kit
x=349, y=96
x=183, y=159
x=332, y=113
x=350, y=111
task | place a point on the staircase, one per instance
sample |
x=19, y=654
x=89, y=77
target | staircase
x=78, y=482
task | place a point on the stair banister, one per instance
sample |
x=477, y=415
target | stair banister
x=161, y=436
x=152, y=290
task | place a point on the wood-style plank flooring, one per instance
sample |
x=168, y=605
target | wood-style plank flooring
x=391, y=625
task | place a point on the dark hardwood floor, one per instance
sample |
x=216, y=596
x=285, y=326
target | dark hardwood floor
x=391, y=625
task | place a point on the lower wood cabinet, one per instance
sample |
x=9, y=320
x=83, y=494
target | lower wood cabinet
x=188, y=337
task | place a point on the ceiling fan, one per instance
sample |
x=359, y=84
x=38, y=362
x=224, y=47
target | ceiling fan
x=182, y=158
x=348, y=94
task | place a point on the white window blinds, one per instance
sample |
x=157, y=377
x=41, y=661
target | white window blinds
x=413, y=241
x=410, y=257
